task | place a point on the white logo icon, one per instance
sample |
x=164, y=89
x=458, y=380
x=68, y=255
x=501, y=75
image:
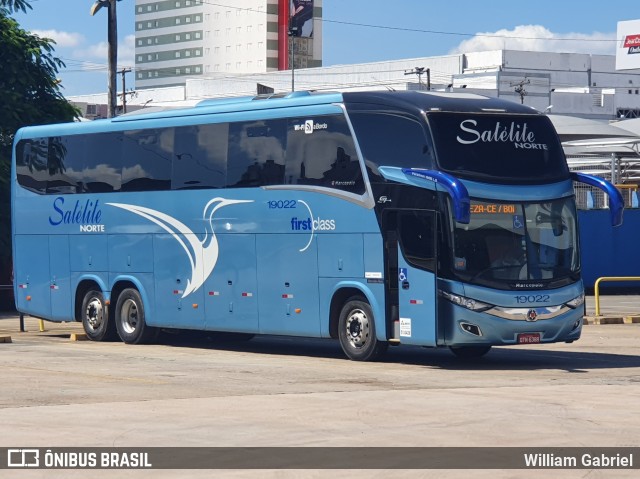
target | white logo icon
x=308, y=127
x=23, y=458
x=203, y=255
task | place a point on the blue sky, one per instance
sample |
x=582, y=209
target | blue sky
x=386, y=31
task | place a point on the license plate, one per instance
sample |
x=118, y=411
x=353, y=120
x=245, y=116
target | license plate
x=529, y=338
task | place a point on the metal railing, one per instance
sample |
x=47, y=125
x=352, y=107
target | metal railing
x=596, y=287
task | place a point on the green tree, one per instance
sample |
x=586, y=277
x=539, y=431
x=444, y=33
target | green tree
x=30, y=95
x=14, y=5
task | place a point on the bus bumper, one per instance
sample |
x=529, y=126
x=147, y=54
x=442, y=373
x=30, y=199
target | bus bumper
x=463, y=327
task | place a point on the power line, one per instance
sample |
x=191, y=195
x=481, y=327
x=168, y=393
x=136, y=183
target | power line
x=308, y=75
x=462, y=34
x=95, y=66
x=421, y=30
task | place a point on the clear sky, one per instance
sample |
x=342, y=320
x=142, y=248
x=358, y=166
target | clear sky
x=356, y=31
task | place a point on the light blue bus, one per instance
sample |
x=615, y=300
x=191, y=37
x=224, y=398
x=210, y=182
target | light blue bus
x=373, y=218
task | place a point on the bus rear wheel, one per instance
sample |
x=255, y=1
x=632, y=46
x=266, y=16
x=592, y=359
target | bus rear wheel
x=130, y=318
x=357, y=332
x=95, y=319
x=470, y=352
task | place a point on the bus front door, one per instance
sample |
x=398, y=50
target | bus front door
x=417, y=294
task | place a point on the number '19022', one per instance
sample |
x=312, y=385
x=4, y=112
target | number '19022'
x=532, y=298
x=281, y=204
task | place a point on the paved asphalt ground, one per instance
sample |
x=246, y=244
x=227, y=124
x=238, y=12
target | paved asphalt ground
x=198, y=391
x=615, y=305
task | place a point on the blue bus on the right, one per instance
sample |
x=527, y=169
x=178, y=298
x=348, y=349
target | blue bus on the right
x=373, y=218
x=498, y=240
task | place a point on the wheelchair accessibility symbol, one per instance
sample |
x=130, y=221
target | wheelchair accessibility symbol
x=402, y=274
x=517, y=222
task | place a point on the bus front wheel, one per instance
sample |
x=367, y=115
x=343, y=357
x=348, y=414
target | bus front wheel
x=357, y=332
x=95, y=319
x=130, y=319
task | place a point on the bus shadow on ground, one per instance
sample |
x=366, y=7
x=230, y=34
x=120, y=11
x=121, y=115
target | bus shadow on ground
x=518, y=359
x=276, y=345
x=499, y=358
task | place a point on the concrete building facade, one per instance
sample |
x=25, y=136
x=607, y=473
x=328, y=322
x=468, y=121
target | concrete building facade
x=565, y=83
x=582, y=85
x=180, y=39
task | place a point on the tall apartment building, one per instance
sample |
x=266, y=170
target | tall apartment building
x=180, y=39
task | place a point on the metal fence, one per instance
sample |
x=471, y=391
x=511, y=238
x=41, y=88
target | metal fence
x=625, y=173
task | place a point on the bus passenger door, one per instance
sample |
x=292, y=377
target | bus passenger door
x=417, y=294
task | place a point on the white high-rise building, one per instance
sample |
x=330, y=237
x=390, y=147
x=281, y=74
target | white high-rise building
x=180, y=39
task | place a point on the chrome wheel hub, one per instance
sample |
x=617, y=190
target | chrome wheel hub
x=129, y=316
x=94, y=313
x=358, y=328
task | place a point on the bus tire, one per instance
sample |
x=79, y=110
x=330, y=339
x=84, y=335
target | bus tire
x=95, y=317
x=470, y=352
x=357, y=332
x=130, y=318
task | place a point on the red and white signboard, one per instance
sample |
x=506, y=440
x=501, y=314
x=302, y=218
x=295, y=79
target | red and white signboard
x=628, y=45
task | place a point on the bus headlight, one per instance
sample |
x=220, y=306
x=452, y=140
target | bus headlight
x=472, y=304
x=577, y=301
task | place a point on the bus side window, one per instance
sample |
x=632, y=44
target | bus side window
x=66, y=164
x=256, y=153
x=105, y=174
x=31, y=164
x=58, y=165
x=391, y=140
x=147, y=157
x=200, y=159
x=417, y=238
x=321, y=151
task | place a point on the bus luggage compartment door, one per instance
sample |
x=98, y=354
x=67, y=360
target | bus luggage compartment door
x=231, y=289
x=417, y=277
x=31, y=266
x=60, y=283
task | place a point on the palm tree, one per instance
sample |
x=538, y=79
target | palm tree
x=14, y=5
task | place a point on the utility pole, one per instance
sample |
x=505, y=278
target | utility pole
x=112, y=40
x=419, y=71
x=292, y=34
x=124, y=91
x=519, y=88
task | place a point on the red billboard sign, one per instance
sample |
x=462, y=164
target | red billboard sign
x=632, y=41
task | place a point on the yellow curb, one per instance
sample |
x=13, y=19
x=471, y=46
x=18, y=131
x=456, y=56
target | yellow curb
x=78, y=337
x=603, y=320
x=5, y=339
x=631, y=319
x=609, y=320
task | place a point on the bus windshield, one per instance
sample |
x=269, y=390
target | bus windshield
x=507, y=243
x=498, y=148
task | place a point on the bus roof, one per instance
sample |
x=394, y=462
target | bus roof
x=409, y=100
x=240, y=104
x=429, y=101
